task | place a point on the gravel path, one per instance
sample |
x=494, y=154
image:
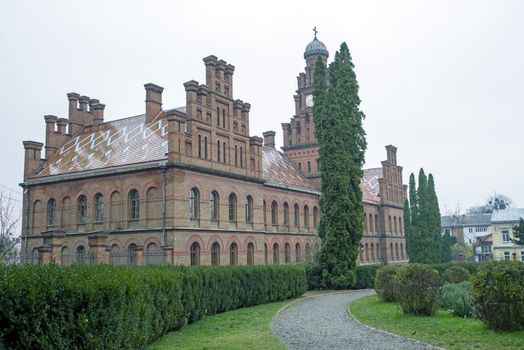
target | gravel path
x=324, y=323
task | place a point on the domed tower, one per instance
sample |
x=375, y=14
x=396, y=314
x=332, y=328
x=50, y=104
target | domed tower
x=300, y=144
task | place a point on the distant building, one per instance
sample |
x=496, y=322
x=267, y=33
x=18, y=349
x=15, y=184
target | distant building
x=502, y=223
x=484, y=248
x=466, y=228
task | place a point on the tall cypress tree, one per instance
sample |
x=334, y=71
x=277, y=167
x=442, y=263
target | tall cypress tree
x=338, y=124
x=437, y=246
x=407, y=226
x=413, y=207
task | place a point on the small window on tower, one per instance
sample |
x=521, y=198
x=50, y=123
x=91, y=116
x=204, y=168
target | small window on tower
x=226, y=91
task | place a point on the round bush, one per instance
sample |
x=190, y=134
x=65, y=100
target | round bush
x=417, y=288
x=455, y=274
x=498, y=292
x=456, y=297
x=384, y=282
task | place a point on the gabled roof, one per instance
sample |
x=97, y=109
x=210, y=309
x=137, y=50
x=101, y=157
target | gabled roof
x=280, y=170
x=369, y=184
x=465, y=220
x=507, y=215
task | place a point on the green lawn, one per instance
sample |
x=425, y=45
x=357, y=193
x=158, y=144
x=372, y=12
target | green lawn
x=443, y=329
x=246, y=328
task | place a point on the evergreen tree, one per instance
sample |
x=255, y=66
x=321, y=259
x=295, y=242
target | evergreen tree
x=338, y=124
x=434, y=223
x=407, y=226
x=413, y=208
x=447, y=241
x=518, y=233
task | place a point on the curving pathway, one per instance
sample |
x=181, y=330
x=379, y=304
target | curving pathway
x=323, y=322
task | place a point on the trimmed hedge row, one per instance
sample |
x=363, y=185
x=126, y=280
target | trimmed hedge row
x=106, y=307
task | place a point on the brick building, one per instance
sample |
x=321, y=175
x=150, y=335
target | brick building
x=190, y=185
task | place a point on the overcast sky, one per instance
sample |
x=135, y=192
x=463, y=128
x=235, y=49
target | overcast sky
x=441, y=80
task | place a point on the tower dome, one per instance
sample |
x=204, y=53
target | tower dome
x=315, y=48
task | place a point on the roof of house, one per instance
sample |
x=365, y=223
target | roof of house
x=465, y=220
x=487, y=239
x=131, y=140
x=507, y=215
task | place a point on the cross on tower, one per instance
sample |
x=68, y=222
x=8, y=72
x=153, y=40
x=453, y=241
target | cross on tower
x=315, y=31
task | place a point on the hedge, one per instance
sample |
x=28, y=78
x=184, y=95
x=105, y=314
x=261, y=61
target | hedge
x=106, y=307
x=471, y=266
x=498, y=294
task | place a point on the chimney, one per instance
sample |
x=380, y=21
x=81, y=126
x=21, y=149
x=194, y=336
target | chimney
x=83, y=102
x=32, y=159
x=50, y=137
x=153, y=101
x=391, y=154
x=246, y=107
x=62, y=125
x=73, y=102
x=98, y=113
x=269, y=139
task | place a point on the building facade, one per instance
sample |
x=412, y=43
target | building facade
x=502, y=222
x=467, y=227
x=190, y=185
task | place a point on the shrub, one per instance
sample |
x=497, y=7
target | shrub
x=384, y=283
x=471, y=266
x=456, y=297
x=314, y=276
x=416, y=288
x=498, y=293
x=455, y=274
x=106, y=307
x=366, y=276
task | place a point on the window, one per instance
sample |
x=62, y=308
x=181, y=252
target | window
x=264, y=208
x=51, y=212
x=214, y=205
x=194, y=204
x=506, y=256
x=232, y=207
x=131, y=254
x=308, y=166
x=315, y=217
x=376, y=223
x=370, y=223
x=391, y=251
x=215, y=254
x=300, y=166
x=205, y=147
x=286, y=214
x=296, y=219
x=366, y=250
x=389, y=221
x=82, y=209
x=99, y=207
x=274, y=213
x=224, y=151
x=378, y=250
x=250, y=253
x=395, y=223
x=505, y=236
x=287, y=253
x=298, y=253
x=81, y=255
x=402, y=251
x=218, y=116
x=199, y=146
x=396, y=251
x=249, y=209
x=195, y=254
x=218, y=151
x=306, y=216
x=308, y=251
x=265, y=253
x=236, y=155
x=241, y=157
x=276, y=254
x=233, y=254
x=134, y=205
x=400, y=225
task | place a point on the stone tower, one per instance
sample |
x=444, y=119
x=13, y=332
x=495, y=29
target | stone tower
x=300, y=144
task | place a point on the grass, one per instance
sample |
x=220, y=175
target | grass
x=246, y=328
x=443, y=329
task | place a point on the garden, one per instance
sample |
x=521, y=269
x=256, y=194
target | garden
x=451, y=307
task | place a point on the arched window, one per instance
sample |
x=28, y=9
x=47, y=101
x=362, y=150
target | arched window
x=395, y=223
x=241, y=157
x=366, y=250
x=65, y=257
x=391, y=250
x=250, y=253
x=249, y=209
x=81, y=254
x=377, y=227
x=81, y=210
x=232, y=207
x=371, y=223
x=316, y=248
x=308, y=252
x=153, y=255
x=296, y=215
x=287, y=253
x=51, y=212
x=233, y=254
x=99, y=207
x=134, y=205
x=236, y=155
x=215, y=254
x=400, y=225
x=274, y=213
x=308, y=166
x=372, y=252
x=378, y=250
x=205, y=147
x=265, y=253
x=286, y=214
x=315, y=217
x=199, y=146
x=264, y=208
x=306, y=216
x=195, y=254
x=131, y=254
x=194, y=204
x=298, y=253
x=218, y=151
x=224, y=151
x=214, y=204
x=397, y=256
x=276, y=254
x=389, y=224
x=402, y=251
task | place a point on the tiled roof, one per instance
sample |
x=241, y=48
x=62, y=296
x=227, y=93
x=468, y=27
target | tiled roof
x=131, y=141
x=507, y=215
x=465, y=220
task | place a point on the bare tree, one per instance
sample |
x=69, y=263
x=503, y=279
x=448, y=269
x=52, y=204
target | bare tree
x=498, y=201
x=9, y=219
